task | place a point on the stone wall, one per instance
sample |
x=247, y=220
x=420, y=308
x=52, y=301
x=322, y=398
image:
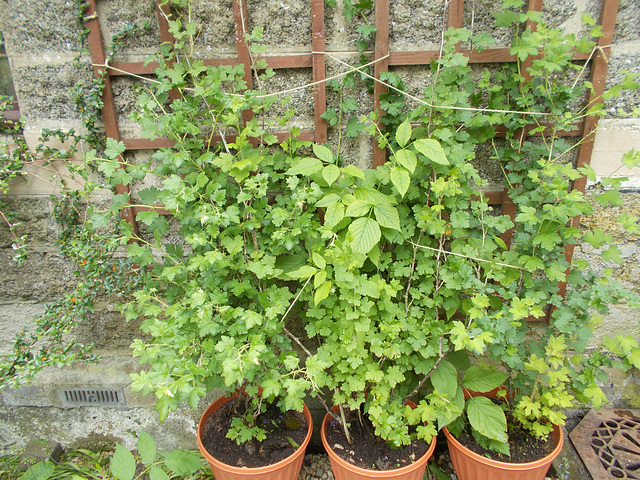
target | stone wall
x=42, y=42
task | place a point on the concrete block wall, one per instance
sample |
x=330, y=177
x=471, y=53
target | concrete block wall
x=42, y=42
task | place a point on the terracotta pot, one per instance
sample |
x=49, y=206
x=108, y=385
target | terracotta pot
x=287, y=469
x=343, y=470
x=471, y=466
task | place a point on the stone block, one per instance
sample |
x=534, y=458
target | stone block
x=43, y=277
x=216, y=31
x=622, y=60
x=14, y=317
x=34, y=216
x=41, y=28
x=627, y=22
x=614, y=138
x=286, y=25
x=140, y=18
x=44, y=90
x=38, y=451
x=415, y=24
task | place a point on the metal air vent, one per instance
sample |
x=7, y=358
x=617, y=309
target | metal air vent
x=92, y=397
x=608, y=442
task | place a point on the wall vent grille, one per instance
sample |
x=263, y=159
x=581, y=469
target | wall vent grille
x=94, y=397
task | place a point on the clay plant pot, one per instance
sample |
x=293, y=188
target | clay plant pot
x=287, y=469
x=471, y=466
x=343, y=470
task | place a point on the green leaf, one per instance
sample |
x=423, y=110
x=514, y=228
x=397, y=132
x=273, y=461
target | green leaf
x=353, y=171
x=183, y=462
x=305, y=166
x=123, y=464
x=39, y=471
x=331, y=173
x=431, y=149
x=481, y=380
x=322, y=292
x=407, y=159
x=358, y=208
x=401, y=179
x=146, y=448
x=114, y=148
x=487, y=418
x=365, y=234
x=303, y=272
x=334, y=214
x=156, y=473
x=323, y=153
x=403, y=134
x=387, y=216
x=445, y=379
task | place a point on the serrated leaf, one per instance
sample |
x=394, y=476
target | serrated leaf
x=431, y=149
x=334, y=214
x=319, y=260
x=445, y=379
x=358, y=208
x=401, y=179
x=323, y=153
x=353, y=171
x=39, y=471
x=487, y=418
x=330, y=173
x=123, y=464
x=303, y=272
x=305, y=166
x=146, y=448
x=156, y=473
x=403, y=134
x=365, y=234
x=481, y=380
x=183, y=462
x=322, y=292
x=387, y=216
x=407, y=159
x=114, y=148
x=149, y=195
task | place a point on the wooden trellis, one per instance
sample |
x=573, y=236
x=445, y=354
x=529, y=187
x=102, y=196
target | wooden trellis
x=383, y=57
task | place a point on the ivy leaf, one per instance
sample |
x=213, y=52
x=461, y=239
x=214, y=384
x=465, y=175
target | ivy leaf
x=365, y=234
x=481, y=380
x=487, y=418
x=330, y=173
x=387, y=216
x=401, y=179
x=323, y=153
x=431, y=149
x=123, y=464
x=403, y=134
x=594, y=393
x=146, y=448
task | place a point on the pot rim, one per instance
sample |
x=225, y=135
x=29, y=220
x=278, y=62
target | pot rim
x=396, y=472
x=250, y=470
x=557, y=435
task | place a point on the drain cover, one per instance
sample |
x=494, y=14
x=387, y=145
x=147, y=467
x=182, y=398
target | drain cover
x=608, y=442
x=94, y=397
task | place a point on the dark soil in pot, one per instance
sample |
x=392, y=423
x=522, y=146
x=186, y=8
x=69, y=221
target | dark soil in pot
x=523, y=446
x=369, y=451
x=285, y=432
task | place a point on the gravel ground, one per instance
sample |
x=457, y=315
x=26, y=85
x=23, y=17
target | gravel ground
x=317, y=466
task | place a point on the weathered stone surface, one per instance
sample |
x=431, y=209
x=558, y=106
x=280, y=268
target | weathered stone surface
x=34, y=216
x=39, y=451
x=43, y=90
x=627, y=22
x=43, y=277
x=40, y=27
x=415, y=24
x=14, y=317
x=286, y=25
